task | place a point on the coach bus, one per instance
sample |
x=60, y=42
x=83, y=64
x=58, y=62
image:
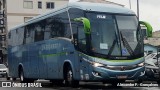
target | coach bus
x=80, y=42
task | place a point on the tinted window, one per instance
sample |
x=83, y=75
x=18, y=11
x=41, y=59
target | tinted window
x=57, y=26
x=29, y=34
x=39, y=31
x=77, y=28
x=75, y=13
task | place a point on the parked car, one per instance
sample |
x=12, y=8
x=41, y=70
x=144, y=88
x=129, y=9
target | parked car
x=153, y=57
x=3, y=70
x=152, y=71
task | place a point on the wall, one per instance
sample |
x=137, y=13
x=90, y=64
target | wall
x=16, y=12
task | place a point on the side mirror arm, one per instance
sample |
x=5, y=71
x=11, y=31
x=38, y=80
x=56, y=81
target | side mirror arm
x=149, y=28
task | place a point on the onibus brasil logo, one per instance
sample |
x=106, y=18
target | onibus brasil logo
x=13, y=84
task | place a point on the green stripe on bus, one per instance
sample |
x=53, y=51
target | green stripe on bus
x=113, y=60
x=51, y=55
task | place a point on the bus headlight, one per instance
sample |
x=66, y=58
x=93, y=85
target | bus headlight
x=141, y=64
x=97, y=65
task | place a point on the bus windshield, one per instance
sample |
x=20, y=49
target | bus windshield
x=115, y=36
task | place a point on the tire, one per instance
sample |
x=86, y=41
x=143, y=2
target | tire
x=23, y=79
x=69, y=80
x=14, y=79
x=7, y=77
x=21, y=76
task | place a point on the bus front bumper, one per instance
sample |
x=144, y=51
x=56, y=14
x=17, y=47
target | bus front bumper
x=102, y=74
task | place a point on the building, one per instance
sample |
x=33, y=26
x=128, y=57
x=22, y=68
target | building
x=2, y=30
x=152, y=44
x=156, y=34
x=27, y=9
x=154, y=40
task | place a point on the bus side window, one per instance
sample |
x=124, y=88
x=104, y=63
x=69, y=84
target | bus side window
x=57, y=26
x=39, y=32
x=27, y=38
x=63, y=20
x=81, y=39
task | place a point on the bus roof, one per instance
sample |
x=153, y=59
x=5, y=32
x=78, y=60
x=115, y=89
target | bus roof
x=101, y=7
x=88, y=6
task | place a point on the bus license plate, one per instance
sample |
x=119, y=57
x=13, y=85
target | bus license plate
x=121, y=77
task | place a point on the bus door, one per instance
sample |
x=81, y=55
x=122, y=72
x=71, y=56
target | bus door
x=80, y=39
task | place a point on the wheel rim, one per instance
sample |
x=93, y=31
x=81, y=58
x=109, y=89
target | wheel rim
x=69, y=76
x=21, y=76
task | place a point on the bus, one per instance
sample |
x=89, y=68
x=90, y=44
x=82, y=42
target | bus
x=82, y=41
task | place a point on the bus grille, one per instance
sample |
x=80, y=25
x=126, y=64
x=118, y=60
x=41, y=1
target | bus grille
x=121, y=68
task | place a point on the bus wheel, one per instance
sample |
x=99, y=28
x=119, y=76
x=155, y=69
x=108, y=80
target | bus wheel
x=69, y=81
x=7, y=77
x=22, y=78
x=13, y=79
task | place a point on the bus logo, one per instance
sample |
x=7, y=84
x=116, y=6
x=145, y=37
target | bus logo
x=122, y=68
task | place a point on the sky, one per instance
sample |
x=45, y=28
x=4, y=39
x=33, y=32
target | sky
x=148, y=10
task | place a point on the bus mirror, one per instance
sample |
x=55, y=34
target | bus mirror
x=148, y=26
x=86, y=24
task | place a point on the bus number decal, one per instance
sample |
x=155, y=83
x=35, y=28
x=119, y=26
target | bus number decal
x=50, y=46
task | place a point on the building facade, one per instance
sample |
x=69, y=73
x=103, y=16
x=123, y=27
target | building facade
x=156, y=34
x=3, y=32
x=154, y=40
x=27, y=9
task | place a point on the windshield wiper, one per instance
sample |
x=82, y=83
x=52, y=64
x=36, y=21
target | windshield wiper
x=113, y=45
x=126, y=45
